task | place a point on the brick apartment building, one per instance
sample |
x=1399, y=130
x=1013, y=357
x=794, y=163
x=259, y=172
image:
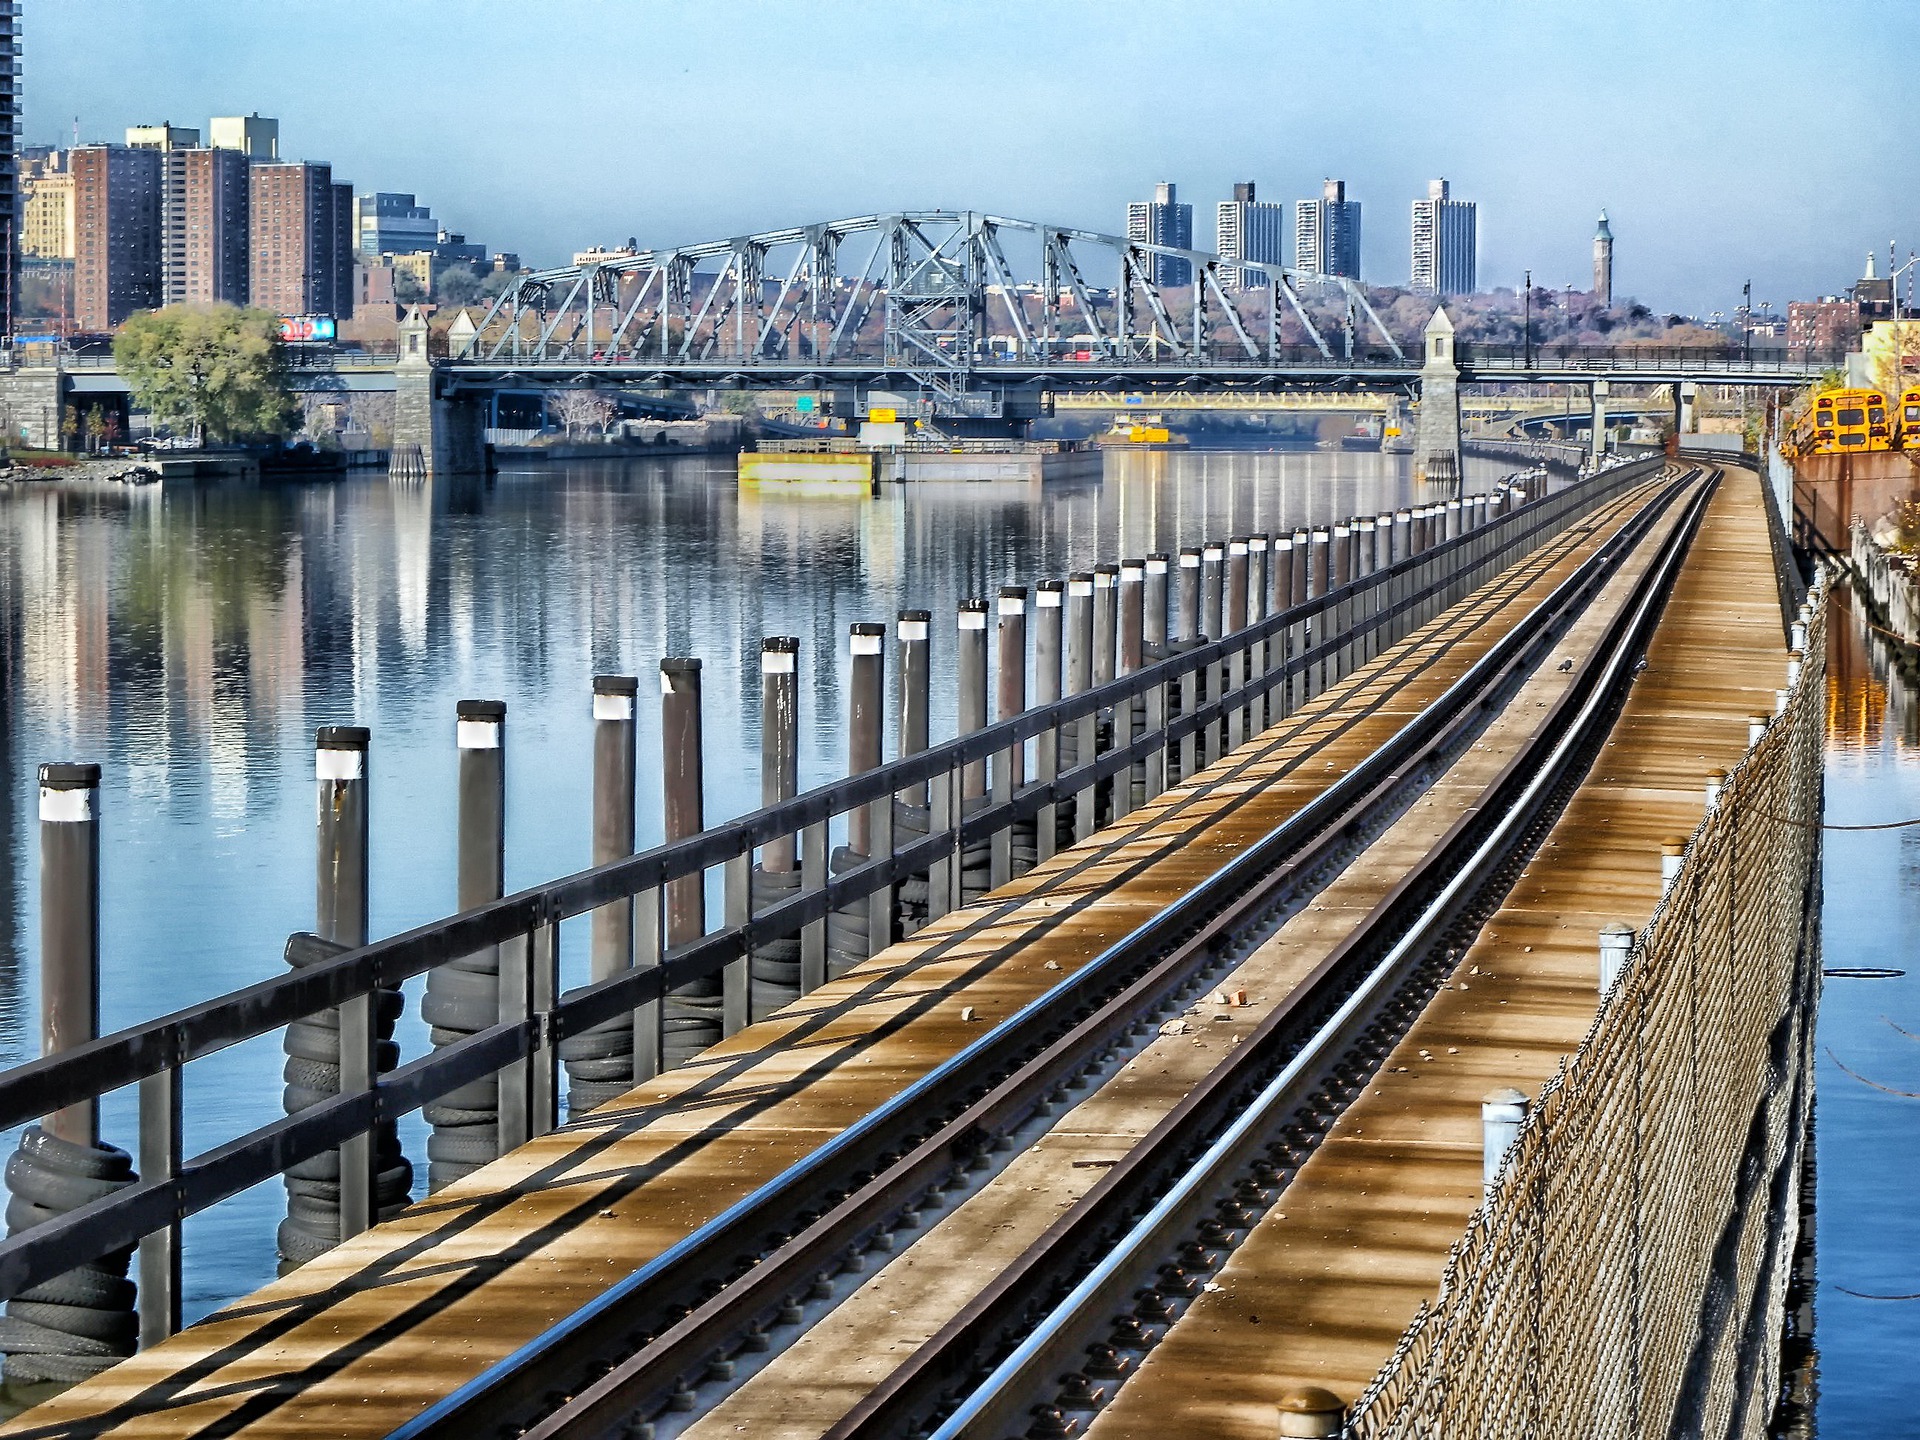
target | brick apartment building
x=1824, y=326
x=303, y=239
x=116, y=216
x=216, y=245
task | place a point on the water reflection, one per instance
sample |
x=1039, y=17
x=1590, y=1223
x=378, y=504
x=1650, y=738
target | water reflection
x=191, y=639
x=1868, y=1140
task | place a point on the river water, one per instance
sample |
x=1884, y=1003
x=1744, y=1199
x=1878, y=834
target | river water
x=190, y=640
x=1867, y=1246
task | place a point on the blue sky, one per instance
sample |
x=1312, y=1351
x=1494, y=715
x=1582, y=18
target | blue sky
x=1724, y=139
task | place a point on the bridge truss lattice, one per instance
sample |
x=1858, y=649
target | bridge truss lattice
x=927, y=294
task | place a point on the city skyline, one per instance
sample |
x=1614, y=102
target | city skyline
x=1543, y=153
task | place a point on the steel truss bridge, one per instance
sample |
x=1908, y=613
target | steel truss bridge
x=932, y=303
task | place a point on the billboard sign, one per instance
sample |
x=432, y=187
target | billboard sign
x=303, y=329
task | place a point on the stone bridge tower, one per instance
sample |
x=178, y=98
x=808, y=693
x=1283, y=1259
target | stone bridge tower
x=433, y=433
x=1436, y=443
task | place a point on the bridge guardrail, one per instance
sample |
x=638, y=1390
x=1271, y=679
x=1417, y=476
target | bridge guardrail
x=1473, y=354
x=1274, y=663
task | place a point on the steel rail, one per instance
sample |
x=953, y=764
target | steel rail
x=666, y=1318
x=1238, y=1106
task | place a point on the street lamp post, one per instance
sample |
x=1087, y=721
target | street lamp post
x=1746, y=318
x=1899, y=338
x=1526, y=329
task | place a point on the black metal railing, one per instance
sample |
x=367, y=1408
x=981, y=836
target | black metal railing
x=1251, y=677
x=1702, y=359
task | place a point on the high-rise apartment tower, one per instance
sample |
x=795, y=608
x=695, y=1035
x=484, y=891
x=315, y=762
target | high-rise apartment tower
x=116, y=204
x=1248, y=229
x=46, y=225
x=302, y=243
x=10, y=207
x=1326, y=233
x=217, y=234
x=172, y=142
x=1445, y=243
x=1163, y=220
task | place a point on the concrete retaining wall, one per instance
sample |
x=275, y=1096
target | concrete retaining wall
x=1888, y=581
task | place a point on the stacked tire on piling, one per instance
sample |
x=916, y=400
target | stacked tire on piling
x=462, y=999
x=312, y=1075
x=774, y=967
x=72, y=1327
x=599, y=1064
x=692, y=1012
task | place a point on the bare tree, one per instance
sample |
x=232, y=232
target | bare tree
x=580, y=410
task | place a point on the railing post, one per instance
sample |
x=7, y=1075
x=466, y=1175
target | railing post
x=1009, y=765
x=763, y=980
x=970, y=669
x=870, y=826
x=1287, y=562
x=1616, y=944
x=1365, y=529
x=451, y=1005
x=1340, y=565
x=1079, y=635
x=1405, y=585
x=1239, y=665
x=1283, y=558
x=1319, y=628
x=340, y=905
x=1132, y=653
x=694, y=1010
x=916, y=689
x=1213, y=626
x=1502, y=1113
x=779, y=741
x=1383, y=589
x=1106, y=579
x=1259, y=557
x=1319, y=570
x=1673, y=855
x=915, y=801
x=1153, y=628
x=1309, y=1413
x=70, y=929
x=1046, y=690
x=625, y=933
x=1191, y=626
x=70, y=1017
x=614, y=763
x=1298, y=632
x=1154, y=642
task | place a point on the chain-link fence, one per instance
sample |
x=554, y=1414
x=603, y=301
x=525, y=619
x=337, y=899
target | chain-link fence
x=1628, y=1274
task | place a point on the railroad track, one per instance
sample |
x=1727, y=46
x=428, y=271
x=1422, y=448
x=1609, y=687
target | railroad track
x=644, y=1349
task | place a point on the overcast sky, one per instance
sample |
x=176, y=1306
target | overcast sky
x=1725, y=138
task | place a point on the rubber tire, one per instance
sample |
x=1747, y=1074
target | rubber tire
x=469, y=1145
x=117, y=1328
